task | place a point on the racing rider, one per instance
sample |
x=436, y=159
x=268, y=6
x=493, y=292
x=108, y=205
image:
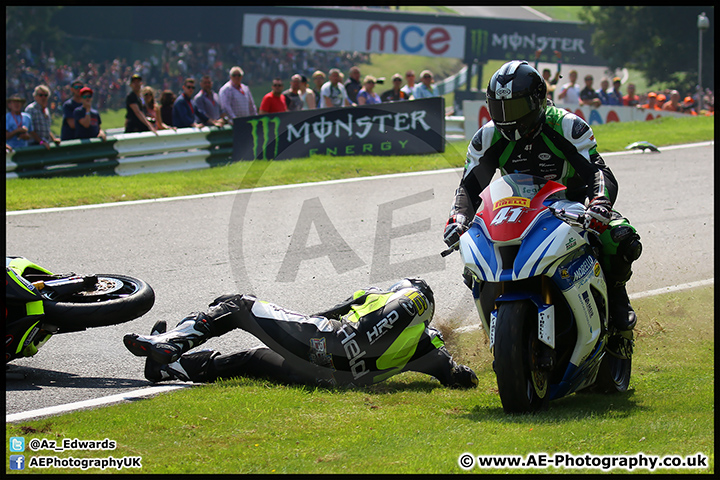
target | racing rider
x=368, y=338
x=529, y=135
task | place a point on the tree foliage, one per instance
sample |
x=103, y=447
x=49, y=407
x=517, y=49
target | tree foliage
x=661, y=42
x=32, y=26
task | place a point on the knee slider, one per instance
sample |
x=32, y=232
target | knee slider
x=628, y=241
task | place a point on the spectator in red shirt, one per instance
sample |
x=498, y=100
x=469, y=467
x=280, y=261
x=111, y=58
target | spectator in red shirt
x=631, y=100
x=274, y=102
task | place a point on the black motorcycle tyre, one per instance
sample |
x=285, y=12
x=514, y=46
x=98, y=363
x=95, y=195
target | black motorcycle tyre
x=613, y=375
x=97, y=309
x=516, y=352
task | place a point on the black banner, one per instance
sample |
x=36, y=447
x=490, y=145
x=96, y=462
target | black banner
x=396, y=128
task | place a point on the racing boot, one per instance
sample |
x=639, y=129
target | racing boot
x=198, y=367
x=462, y=376
x=167, y=347
x=622, y=315
x=154, y=371
x=192, y=367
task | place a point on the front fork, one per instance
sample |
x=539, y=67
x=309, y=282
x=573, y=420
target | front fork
x=546, y=314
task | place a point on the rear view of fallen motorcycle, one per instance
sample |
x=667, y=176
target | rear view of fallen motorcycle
x=40, y=304
x=541, y=295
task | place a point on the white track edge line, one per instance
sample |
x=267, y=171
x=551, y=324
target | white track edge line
x=146, y=392
x=94, y=402
x=649, y=293
x=296, y=185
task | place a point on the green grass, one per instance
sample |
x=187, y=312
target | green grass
x=410, y=424
x=30, y=193
x=561, y=13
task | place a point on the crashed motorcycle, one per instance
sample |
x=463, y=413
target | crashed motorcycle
x=541, y=295
x=40, y=304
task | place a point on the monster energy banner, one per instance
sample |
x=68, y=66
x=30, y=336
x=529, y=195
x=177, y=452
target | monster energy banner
x=397, y=128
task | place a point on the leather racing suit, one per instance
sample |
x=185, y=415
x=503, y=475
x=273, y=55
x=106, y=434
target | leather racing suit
x=370, y=337
x=564, y=151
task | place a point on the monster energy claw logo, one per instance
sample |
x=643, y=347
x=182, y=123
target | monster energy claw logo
x=266, y=137
x=479, y=44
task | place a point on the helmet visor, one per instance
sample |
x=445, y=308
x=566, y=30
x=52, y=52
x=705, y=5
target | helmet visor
x=511, y=110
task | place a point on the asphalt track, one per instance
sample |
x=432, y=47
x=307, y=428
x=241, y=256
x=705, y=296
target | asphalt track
x=307, y=247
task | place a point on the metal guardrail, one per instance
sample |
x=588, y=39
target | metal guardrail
x=125, y=154
x=134, y=153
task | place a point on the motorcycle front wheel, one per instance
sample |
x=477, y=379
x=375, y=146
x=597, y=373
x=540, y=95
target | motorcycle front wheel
x=113, y=299
x=523, y=387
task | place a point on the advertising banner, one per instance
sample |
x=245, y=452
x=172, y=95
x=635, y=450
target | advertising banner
x=396, y=128
x=351, y=34
x=477, y=114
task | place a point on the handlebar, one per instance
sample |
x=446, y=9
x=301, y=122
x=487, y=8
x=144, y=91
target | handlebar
x=561, y=213
x=571, y=217
x=450, y=250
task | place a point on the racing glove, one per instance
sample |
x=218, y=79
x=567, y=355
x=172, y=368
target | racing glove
x=598, y=215
x=454, y=228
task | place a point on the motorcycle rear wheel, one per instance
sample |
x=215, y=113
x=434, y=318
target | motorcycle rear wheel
x=522, y=386
x=114, y=299
x=613, y=374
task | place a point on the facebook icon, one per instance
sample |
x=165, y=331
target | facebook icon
x=17, y=462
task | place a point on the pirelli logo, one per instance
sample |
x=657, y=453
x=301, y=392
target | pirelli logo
x=512, y=202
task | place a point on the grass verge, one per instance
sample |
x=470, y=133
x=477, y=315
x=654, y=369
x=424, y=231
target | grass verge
x=411, y=424
x=31, y=193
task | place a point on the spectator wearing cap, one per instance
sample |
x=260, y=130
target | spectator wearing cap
x=67, y=130
x=135, y=120
x=87, y=119
x=395, y=94
x=631, y=99
x=588, y=96
x=366, y=95
x=425, y=88
x=688, y=106
x=651, y=102
x=41, y=117
x=409, y=87
x=661, y=99
x=235, y=97
x=615, y=96
x=18, y=124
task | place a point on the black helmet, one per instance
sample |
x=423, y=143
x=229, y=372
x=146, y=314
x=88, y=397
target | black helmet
x=416, y=283
x=420, y=285
x=516, y=97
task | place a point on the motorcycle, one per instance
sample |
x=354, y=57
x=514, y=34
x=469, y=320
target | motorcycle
x=541, y=295
x=40, y=304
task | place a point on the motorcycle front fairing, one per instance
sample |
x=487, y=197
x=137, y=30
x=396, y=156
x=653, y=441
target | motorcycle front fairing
x=516, y=237
x=24, y=312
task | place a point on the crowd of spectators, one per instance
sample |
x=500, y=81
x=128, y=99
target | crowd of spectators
x=168, y=71
x=572, y=93
x=68, y=90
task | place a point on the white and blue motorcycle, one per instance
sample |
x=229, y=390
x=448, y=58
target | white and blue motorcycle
x=541, y=295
